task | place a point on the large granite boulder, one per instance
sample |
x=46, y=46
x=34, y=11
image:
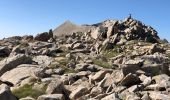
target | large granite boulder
x=12, y=62
x=18, y=74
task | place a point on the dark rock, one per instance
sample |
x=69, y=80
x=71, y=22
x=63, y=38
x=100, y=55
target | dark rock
x=44, y=36
x=4, y=51
x=130, y=80
x=6, y=94
x=156, y=69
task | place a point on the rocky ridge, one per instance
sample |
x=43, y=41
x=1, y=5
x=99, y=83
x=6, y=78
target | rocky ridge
x=111, y=60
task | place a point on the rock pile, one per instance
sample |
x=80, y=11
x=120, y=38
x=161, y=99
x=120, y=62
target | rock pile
x=112, y=60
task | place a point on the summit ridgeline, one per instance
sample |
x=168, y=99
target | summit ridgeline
x=111, y=60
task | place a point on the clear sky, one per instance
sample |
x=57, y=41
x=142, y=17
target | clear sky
x=20, y=17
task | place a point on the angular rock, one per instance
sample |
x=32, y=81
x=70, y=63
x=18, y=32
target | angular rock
x=134, y=88
x=137, y=62
x=95, y=91
x=80, y=91
x=12, y=62
x=44, y=36
x=78, y=46
x=129, y=68
x=43, y=60
x=99, y=75
x=156, y=58
x=146, y=97
x=81, y=67
x=55, y=87
x=27, y=98
x=18, y=50
x=51, y=97
x=17, y=75
x=59, y=71
x=132, y=96
x=39, y=45
x=107, y=81
x=154, y=48
x=40, y=72
x=158, y=96
x=155, y=87
x=155, y=69
x=159, y=78
x=130, y=80
x=118, y=75
x=113, y=96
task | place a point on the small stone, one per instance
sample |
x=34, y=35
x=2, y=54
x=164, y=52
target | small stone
x=158, y=96
x=55, y=86
x=51, y=97
x=80, y=91
x=99, y=75
x=113, y=96
x=59, y=71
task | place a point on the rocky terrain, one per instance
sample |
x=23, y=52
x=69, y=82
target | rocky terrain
x=111, y=60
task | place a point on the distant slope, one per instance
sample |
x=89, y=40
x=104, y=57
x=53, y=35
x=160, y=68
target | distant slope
x=68, y=27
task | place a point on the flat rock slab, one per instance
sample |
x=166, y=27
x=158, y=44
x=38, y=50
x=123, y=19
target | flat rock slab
x=43, y=60
x=12, y=62
x=18, y=74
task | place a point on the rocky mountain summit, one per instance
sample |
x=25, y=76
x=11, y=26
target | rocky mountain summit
x=111, y=60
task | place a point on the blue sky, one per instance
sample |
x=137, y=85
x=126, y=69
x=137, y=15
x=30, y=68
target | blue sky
x=20, y=17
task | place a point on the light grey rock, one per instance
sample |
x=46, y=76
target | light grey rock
x=55, y=87
x=99, y=75
x=107, y=81
x=51, y=97
x=12, y=62
x=113, y=96
x=27, y=98
x=154, y=87
x=134, y=88
x=158, y=96
x=78, y=46
x=59, y=71
x=137, y=62
x=39, y=45
x=95, y=91
x=18, y=74
x=40, y=72
x=162, y=77
x=146, y=97
x=156, y=58
x=77, y=93
x=117, y=75
x=81, y=67
x=43, y=60
x=132, y=96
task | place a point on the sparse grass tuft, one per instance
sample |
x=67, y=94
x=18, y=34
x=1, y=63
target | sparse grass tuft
x=110, y=53
x=68, y=70
x=27, y=90
x=102, y=63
